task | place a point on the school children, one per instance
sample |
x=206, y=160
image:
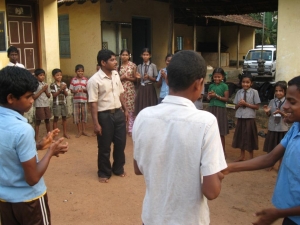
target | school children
x=78, y=88
x=218, y=96
x=41, y=102
x=59, y=92
x=246, y=103
x=146, y=95
x=127, y=72
x=178, y=150
x=161, y=79
x=13, y=55
x=23, y=194
x=287, y=189
x=277, y=127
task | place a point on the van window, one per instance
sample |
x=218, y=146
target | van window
x=256, y=54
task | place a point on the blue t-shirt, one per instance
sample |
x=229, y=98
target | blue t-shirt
x=17, y=145
x=164, y=90
x=287, y=188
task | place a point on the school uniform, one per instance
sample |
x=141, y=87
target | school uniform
x=218, y=107
x=277, y=128
x=245, y=135
x=146, y=95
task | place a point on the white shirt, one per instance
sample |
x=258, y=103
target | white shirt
x=174, y=146
x=105, y=90
x=17, y=65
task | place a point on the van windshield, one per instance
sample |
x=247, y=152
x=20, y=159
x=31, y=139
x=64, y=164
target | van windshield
x=256, y=54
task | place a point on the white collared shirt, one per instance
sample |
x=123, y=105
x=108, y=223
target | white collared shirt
x=104, y=90
x=17, y=65
x=174, y=146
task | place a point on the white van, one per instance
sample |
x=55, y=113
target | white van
x=268, y=53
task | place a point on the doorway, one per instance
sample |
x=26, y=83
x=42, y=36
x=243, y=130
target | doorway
x=22, y=32
x=141, y=37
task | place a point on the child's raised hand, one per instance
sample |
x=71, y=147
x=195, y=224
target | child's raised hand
x=266, y=108
x=146, y=77
x=242, y=102
x=137, y=75
x=58, y=147
x=63, y=86
x=45, y=87
x=48, y=139
x=278, y=111
x=211, y=94
x=163, y=74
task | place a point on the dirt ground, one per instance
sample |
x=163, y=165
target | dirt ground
x=76, y=196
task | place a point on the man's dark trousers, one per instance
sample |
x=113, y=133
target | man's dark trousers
x=113, y=131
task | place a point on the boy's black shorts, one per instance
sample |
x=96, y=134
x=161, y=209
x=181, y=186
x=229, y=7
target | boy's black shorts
x=35, y=212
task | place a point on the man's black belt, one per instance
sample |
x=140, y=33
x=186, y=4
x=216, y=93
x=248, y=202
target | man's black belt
x=111, y=111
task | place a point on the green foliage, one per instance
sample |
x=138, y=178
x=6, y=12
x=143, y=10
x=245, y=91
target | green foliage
x=270, y=32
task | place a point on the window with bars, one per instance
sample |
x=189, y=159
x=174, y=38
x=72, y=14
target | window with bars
x=64, y=36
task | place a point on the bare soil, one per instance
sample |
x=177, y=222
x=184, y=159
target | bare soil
x=77, y=197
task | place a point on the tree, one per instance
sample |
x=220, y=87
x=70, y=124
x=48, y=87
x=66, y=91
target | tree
x=270, y=32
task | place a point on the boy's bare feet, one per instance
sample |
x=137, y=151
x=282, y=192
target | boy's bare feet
x=67, y=136
x=241, y=158
x=78, y=134
x=269, y=169
x=85, y=134
x=103, y=180
x=122, y=175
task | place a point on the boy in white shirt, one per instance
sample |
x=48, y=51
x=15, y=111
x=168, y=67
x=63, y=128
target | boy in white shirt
x=13, y=55
x=182, y=158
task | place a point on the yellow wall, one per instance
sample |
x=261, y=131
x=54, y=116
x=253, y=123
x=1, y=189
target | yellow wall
x=49, y=37
x=288, y=48
x=187, y=32
x=156, y=11
x=3, y=55
x=85, y=37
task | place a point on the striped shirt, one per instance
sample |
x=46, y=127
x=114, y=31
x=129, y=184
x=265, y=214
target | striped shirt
x=79, y=84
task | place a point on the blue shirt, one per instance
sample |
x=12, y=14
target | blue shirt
x=17, y=145
x=164, y=90
x=287, y=188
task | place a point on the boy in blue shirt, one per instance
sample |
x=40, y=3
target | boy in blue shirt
x=23, y=197
x=161, y=80
x=286, y=196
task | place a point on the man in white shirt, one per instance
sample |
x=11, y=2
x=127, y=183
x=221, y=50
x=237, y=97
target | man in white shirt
x=178, y=149
x=13, y=55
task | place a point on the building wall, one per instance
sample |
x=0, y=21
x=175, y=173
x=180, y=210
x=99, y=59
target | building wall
x=85, y=37
x=123, y=12
x=187, y=32
x=49, y=45
x=3, y=55
x=288, y=48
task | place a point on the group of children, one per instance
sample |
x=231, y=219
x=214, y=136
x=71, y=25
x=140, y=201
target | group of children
x=246, y=103
x=59, y=91
x=24, y=188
